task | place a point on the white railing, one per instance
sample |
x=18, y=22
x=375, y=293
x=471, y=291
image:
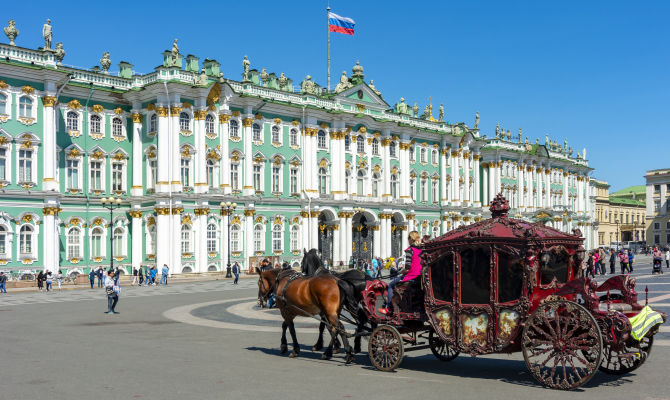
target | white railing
x=26, y=55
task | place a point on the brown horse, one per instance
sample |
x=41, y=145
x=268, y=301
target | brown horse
x=300, y=296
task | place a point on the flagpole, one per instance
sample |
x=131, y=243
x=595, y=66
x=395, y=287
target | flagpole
x=328, y=29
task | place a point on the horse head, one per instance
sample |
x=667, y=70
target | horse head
x=310, y=262
x=266, y=283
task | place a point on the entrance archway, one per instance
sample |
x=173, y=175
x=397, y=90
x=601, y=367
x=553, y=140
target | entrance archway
x=325, y=238
x=362, y=237
x=398, y=225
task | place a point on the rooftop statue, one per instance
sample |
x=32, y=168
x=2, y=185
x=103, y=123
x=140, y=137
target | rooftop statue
x=11, y=32
x=509, y=135
x=565, y=145
x=344, y=83
x=47, y=35
x=440, y=116
x=283, y=82
x=401, y=108
x=546, y=140
x=498, y=130
x=106, y=62
x=245, y=66
x=357, y=70
x=570, y=152
x=220, y=77
x=175, y=52
x=202, y=79
x=537, y=140
x=415, y=110
x=59, y=53
x=476, y=120
x=520, y=135
x=264, y=77
x=307, y=86
x=374, y=89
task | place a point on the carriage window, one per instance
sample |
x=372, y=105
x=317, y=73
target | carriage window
x=510, y=278
x=557, y=267
x=442, y=278
x=475, y=276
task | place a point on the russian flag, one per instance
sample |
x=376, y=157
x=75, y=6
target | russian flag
x=340, y=24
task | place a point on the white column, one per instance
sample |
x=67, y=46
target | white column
x=304, y=230
x=520, y=183
x=382, y=235
x=175, y=154
x=443, y=176
x=248, y=236
x=486, y=198
x=337, y=244
x=199, y=176
x=248, y=185
x=51, y=237
x=455, y=178
x=341, y=237
x=404, y=172
x=137, y=186
x=201, y=255
x=225, y=240
x=163, y=240
x=136, y=232
x=376, y=241
x=163, y=159
x=386, y=165
x=476, y=197
x=467, y=195
x=224, y=165
x=49, y=144
x=314, y=229
x=349, y=236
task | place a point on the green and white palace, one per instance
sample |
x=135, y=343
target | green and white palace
x=342, y=171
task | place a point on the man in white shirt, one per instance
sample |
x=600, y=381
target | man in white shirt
x=667, y=258
x=112, y=293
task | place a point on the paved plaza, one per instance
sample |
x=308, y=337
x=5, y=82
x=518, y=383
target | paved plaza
x=206, y=340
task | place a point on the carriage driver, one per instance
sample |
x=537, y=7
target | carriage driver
x=412, y=268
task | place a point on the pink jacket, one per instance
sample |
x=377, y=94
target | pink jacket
x=415, y=268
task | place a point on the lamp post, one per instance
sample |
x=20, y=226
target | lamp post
x=111, y=203
x=617, y=233
x=361, y=225
x=227, y=209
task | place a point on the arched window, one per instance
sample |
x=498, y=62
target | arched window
x=276, y=175
x=321, y=139
x=210, y=173
x=118, y=242
x=295, y=235
x=276, y=238
x=360, y=144
x=184, y=121
x=73, y=243
x=235, y=176
x=360, y=183
x=117, y=127
x=25, y=107
x=25, y=165
x=424, y=191
x=72, y=121
x=96, y=124
x=412, y=188
x=96, y=242
x=323, y=180
x=434, y=157
x=186, y=171
x=186, y=238
x=375, y=184
x=153, y=122
x=423, y=155
x=256, y=132
x=3, y=164
x=375, y=147
x=258, y=238
x=412, y=153
x=394, y=186
x=3, y=104
x=235, y=244
x=434, y=191
x=209, y=124
x=347, y=142
x=26, y=240
x=211, y=238
x=293, y=137
x=392, y=149
x=275, y=135
x=234, y=128
x=151, y=245
x=347, y=177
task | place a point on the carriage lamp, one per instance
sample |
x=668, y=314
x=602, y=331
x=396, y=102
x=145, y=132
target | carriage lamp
x=545, y=257
x=580, y=254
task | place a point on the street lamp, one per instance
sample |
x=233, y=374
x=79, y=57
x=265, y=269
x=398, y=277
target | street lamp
x=617, y=233
x=111, y=203
x=361, y=222
x=227, y=209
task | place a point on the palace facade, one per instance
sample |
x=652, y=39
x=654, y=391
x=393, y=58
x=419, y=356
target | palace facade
x=343, y=171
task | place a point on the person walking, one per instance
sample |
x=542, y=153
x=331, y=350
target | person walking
x=112, y=293
x=59, y=279
x=236, y=272
x=589, y=265
x=140, y=275
x=667, y=258
x=3, y=282
x=101, y=275
x=134, y=281
x=623, y=261
x=596, y=264
x=117, y=275
x=601, y=257
x=49, y=280
x=40, y=281
x=351, y=262
x=154, y=272
x=630, y=260
x=91, y=277
x=375, y=267
x=612, y=262
x=164, y=274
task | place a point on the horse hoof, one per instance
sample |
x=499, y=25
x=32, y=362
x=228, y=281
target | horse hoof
x=283, y=349
x=357, y=349
x=349, y=359
x=326, y=357
x=293, y=354
x=317, y=347
x=336, y=351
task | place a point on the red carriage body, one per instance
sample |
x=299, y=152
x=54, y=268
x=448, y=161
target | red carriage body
x=507, y=285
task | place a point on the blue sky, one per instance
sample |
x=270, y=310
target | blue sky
x=593, y=72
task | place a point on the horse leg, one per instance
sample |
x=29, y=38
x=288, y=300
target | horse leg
x=336, y=326
x=296, y=346
x=328, y=354
x=319, y=343
x=284, y=347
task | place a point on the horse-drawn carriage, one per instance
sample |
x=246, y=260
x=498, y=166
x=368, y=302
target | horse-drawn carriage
x=504, y=285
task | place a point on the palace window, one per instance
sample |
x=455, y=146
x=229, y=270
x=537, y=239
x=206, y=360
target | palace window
x=118, y=242
x=186, y=238
x=434, y=192
x=153, y=123
x=117, y=176
x=25, y=165
x=276, y=174
x=394, y=186
x=375, y=184
x=185, y=171
x=275, y=135
x=3, y=164
x=293, y=137
x=294, y=181
x=258, y=238
x=25, y=107
x=3, y=241
x=234, y=128
x=96, y=125
x=347, y=142
x=422, y=158
x=151, y=240
x=184, y=121
x=72, y=174
x=235, y=176
x=235, y=244
x=256, y=132
x=212, y=239
x=347, y=177
x=3, y=104
x=73, y=243
x=258, y=171
x=295, y=234
x=323, y=180
x=209, y=124
x=153, y=175
x=26, y=240
x=276, y=238
x=375, y=147
x=424, y=192
x=435, y=159
x=210, y=173
x=360, y=144
x=412, y=188
x=360, y=183
x=96, y=243
x=392, y=151
x=321, y=140
x=117, y=127
x=412, y=156
x=72, y=121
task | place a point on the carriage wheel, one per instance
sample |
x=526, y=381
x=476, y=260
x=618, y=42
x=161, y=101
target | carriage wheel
x=562, y=345
x=440, y=349
x=627, y=359
x=385, y=348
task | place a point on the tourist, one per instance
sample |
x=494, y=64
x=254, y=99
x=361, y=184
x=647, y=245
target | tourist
x=596, y=264
x=134, y=276
x=40, y=281
x=375, y=267
x=49, y=280
x=3, y=282
x=140, y=275
x=352, y=264
x=667, y=258
x=623, y=261
x=412, y=269
x=589, y=265
x=59, y=279
x=100, y=274
x=236, y=272
x=630, y=260
x=154, y=272
x=601, y=257
x=91, y=277
x=612, y=262
x=164, y=274
x=117, y=275
x=112, y=293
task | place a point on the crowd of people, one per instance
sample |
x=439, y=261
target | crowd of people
x=598, y=259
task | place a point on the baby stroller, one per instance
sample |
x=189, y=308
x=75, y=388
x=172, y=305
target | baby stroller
x=658, y=266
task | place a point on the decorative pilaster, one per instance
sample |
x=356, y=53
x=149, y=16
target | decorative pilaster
x=137, y=187
x=201, y=256
x=163, y=159
x=224, y=165
x=200, y=176
x=476, y=196
x=386, y=165
x=404, y=172
x=248, y=185
x=49, y=144
x=51, y=246
x=248, y=235
x=163, y=245
x=175, y=155
x=136, y=232
x=443, y=176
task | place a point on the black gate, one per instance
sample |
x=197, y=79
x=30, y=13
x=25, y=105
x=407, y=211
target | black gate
x=325, y=240
x=362, y=240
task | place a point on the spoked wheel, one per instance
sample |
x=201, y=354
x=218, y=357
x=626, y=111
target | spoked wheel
x=385, y=348
x=441, y=350
x=562, y=345
x=628, y=358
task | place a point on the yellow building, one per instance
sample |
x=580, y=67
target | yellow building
x=620, y=215
x=658, y=206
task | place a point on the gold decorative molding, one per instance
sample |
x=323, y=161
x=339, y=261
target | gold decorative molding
x=175, y=110
x=162, y=111
x=258, y=116
x=201, y=211
x=137, y=118
x=199, y=115
x=177, y=210
x=249, y=212
x=247, y=122
x=27, y=89
x=135, y=214
x=224, y=118
x=47, y=101
x=186, y=104
x=162, y=210
x=48, y=211
x=3, y=84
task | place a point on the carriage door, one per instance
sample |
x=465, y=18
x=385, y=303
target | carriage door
x=475, y=314
x=509, y=288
